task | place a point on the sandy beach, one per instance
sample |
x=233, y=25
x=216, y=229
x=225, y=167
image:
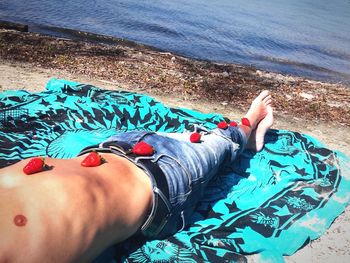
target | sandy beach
x=322, y=110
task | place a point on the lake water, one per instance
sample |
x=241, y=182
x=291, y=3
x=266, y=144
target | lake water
x=302, y=37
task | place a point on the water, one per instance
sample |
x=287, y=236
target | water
x=302, y=37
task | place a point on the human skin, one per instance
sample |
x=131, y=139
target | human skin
x=73, y=213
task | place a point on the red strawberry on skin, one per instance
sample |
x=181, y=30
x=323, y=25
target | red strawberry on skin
x=233, y=124
x=222, y=125
x=246, y=122
x=35, y=165
x=143, y=149
x=195, y=137
x=93, y=159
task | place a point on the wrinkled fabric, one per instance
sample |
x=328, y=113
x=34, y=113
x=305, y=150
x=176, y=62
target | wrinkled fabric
x=188, y=167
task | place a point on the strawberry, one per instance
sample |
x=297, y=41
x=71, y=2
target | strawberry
x=143, y=148
x=93, y=159
x=222, y=125
x=35, y=165
x=195, y=137
x=233, y=124
x=245, y=122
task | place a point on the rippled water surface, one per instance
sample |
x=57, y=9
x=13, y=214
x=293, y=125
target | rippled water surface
x=304, y=37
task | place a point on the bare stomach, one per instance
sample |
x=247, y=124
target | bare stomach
x=70, y=210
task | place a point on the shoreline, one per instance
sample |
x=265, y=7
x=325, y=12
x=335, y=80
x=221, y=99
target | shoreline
x=334, y=77
x=29, y=60
x=165, y=73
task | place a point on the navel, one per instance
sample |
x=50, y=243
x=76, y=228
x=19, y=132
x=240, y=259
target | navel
x=20, y=220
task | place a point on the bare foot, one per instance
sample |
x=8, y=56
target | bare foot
x=257, y=138
x=258, y=109
x=262, y=128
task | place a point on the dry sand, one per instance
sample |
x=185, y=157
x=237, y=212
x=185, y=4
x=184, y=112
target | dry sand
x=333, y=246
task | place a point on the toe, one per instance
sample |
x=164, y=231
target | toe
x=267, y=98
x=268, y=102
x=264, y=94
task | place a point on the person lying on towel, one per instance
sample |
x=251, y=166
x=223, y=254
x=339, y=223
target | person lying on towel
x=135, y=183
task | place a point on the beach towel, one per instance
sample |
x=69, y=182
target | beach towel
x=272, y=204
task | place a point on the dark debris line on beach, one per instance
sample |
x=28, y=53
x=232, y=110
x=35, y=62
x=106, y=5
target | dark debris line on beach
x=164, y=73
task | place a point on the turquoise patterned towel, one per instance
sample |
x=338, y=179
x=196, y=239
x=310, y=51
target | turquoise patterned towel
x=273, y=203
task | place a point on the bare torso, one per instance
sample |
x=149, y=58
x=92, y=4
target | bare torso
x=70, y=213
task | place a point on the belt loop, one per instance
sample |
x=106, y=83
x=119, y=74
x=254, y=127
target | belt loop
x=163, y=197
x=183, y=220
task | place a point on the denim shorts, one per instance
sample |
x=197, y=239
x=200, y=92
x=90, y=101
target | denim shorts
x=188, y=167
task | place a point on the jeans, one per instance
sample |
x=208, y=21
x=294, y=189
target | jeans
x=188, y=167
